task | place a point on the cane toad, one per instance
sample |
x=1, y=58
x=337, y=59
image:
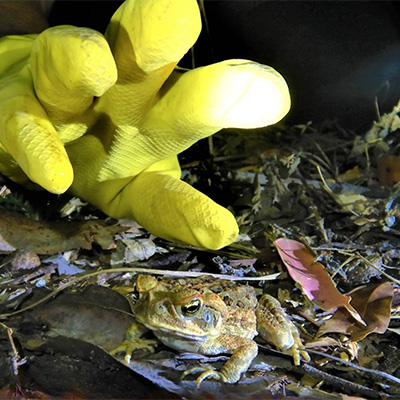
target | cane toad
x=211, y=316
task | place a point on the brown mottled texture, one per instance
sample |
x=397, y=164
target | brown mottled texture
x=211, y=316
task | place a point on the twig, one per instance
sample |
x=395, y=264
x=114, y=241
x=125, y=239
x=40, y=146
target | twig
x=380, y=374
x=345, y=262
x=84, y=276
x=16, y=360
x=378, y=269
x=361, y=257
x=229, y=252
x=344, y=384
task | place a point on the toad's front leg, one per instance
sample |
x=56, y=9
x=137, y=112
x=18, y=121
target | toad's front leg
x=274, y=326
x=133, y=341
x=243, y=353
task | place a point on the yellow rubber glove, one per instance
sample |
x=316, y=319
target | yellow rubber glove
x=117, y=110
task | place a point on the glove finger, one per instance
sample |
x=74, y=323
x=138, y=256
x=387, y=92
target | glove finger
x=70, y=65
x=173, y=210
x=147, y=39
x=29, y=137
x=152, y=34
x=168, y=207
x=229, y=94
x=196, y=104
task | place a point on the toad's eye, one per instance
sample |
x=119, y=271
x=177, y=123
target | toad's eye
x=191, y=307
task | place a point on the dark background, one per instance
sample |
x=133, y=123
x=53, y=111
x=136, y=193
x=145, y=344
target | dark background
x=337, y=56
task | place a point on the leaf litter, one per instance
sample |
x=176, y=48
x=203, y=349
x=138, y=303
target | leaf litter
x=318, y=209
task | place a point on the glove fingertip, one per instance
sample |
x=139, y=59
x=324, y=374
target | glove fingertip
x=58, y=178
x=173, y=210
x=69, y=66
x=36, y=147
x=211, y=232
x=154, y=33
x=220, y=232
x=51, y=169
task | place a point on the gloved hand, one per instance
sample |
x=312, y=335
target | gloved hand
x=106, y=116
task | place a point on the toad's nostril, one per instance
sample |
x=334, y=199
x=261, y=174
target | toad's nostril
x=208, y=318
x=164, y=307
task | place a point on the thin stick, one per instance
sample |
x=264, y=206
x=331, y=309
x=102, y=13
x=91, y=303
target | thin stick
x=380, y=374
x=135, y=270
x=344, y=383
x=15, y=357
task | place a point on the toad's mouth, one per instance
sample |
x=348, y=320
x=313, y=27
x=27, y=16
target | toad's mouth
x=166, y=331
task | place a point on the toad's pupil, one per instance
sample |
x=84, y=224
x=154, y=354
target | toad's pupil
x=191, y=308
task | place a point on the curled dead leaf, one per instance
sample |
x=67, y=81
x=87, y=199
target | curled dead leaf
x=373, y=302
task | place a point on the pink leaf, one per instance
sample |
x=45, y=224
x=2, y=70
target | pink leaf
x=313, y=277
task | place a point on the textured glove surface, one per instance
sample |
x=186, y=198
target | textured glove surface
x=105, y=116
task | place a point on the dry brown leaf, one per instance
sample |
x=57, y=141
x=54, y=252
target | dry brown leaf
x=350, y=175
x=389, y=170
x=97, y=315
x=373, y=302
x=18, y=232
